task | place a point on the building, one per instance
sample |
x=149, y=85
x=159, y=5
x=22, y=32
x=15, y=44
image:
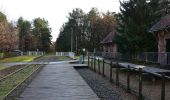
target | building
x=109, y=46
x=162, y=30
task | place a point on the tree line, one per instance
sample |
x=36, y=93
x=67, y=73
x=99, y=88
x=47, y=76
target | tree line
x=24, y=35
x=85, y=30
x=132, y=23
x=34, y=36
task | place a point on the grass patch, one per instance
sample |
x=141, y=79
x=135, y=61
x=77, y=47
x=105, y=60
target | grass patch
x=19, y=59
x=12, y=81
x=3, y=67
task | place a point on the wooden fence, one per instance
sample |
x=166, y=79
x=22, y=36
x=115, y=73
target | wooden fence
x=94, y=64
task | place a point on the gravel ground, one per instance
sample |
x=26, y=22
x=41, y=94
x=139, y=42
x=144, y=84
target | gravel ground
x=103, y=88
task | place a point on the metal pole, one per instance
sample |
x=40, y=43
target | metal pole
x=71, y=39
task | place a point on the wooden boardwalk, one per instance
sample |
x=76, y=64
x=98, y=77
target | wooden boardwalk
x=58, y=82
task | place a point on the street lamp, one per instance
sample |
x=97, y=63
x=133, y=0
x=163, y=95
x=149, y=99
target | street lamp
x=71, y=39
x=83, y=54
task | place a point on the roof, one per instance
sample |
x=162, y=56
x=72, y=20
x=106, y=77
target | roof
x=109, y=38
x=164, y=23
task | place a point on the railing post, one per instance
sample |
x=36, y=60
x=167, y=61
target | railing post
x=98, y=65
x=163, y=87
x=117, y=73
x=94, y=64
x=128, y=79
x=111, y=80
x=88, y=60
x=103, y=69
x=140, y=84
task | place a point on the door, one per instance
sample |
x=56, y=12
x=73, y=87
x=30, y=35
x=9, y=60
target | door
x=167, y=45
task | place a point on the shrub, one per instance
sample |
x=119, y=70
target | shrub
x=7, y=54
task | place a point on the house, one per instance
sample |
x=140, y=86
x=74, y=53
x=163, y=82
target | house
x=109, y=46
x=162, y=30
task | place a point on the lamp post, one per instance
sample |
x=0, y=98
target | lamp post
x=71, y=39
x=83, y=54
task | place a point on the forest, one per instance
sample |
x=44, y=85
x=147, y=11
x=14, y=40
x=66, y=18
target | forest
x=136, y=17
x=24, y=35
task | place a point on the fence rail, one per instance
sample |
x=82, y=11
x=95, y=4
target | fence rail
x=148, y=57
x=69, y=54
x=33, y=53
x=99, y=66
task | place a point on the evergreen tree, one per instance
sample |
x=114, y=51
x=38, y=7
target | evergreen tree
x=135, y=19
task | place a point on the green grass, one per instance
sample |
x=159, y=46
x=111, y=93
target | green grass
x=3, y=67
x=12, y=81
x=19, y=59
x=77, y=57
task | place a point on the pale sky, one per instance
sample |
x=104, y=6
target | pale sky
x=55, y=11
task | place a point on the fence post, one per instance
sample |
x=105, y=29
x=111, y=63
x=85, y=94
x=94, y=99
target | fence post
x=98, y=65
x=111, y=71
x=103, y=69
x=128, y=79
x=163, y=87
x=94, y=64
x=88, y=60
x=117, y=73
x=140, y=84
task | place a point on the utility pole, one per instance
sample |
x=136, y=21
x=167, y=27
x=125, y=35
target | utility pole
x=71, y=39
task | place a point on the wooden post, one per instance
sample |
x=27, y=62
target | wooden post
x=94, y=64
x=128, y=79
x=140, y=84
x=88, y=61
x=111, y=80
x=117, y=73
x=98, y=65
x=103, y=69
x=163, y=87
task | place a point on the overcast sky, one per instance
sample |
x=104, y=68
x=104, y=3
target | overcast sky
x=55, y=11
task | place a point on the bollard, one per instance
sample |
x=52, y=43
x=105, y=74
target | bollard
x=98, y=66
x=128, y=79
x=163, y=87
x=117, y=73
x=140, y=84
x=111, y=80
x=103, y=69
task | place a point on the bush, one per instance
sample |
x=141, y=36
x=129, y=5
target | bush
x=7, y=54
